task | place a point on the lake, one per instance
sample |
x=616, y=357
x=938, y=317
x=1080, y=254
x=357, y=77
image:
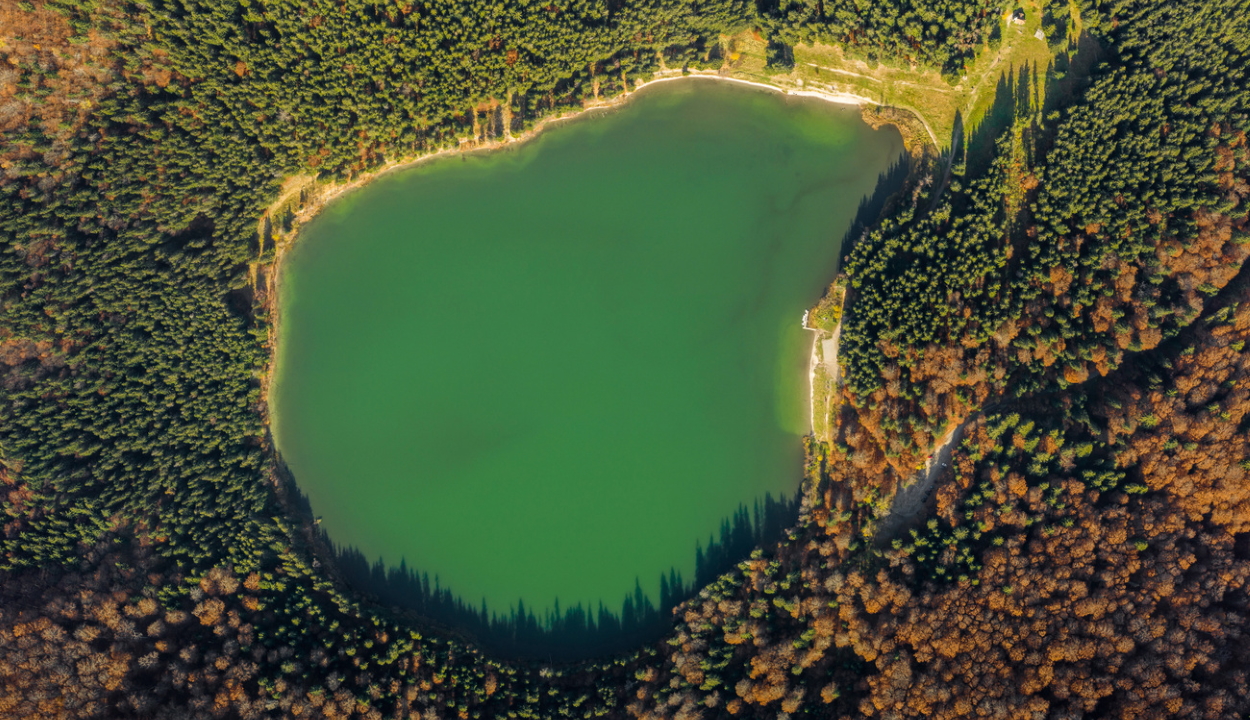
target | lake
x=544, y=373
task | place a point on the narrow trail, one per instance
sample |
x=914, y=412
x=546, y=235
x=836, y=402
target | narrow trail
x=831, y=363
x=940, y=188
x=891, y=81
x=911, y=502
x=839, y=71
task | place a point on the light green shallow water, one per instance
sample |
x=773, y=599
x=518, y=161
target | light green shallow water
x=546, y=372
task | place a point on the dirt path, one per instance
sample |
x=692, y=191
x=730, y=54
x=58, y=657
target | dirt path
x=831, y=363
x=911, y=502
x=892, y=81
x=828, y=359
x=840, y=71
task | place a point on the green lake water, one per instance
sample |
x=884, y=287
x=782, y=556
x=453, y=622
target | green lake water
x=547, y=372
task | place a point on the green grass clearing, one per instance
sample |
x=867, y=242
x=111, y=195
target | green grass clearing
x=921, y=90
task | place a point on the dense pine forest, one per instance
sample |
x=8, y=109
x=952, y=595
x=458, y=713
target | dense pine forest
x=1061, y=319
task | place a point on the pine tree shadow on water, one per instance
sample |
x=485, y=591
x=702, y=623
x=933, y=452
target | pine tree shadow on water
x=871, y=207
x=555, y=634
x=577, y=633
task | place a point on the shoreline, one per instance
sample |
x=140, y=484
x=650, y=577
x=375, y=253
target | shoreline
x=334, y=191
x=305, y=199
x=825, y=357
x=309, y=209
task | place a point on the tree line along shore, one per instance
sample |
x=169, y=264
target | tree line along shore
x=1074, y=274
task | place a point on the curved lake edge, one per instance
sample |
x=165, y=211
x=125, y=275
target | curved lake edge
x=530, y=639
x=335, y=190
x=572, y=636
x=269, y=286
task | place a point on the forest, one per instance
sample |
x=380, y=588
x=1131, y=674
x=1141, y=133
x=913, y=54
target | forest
x=1069, y=304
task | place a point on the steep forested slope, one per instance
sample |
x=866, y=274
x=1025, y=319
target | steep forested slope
x=1096, y=232
x=1080, y=306
x=1087, y=552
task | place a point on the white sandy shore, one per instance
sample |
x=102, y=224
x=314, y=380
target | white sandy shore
x=840, y=98
x=327, y=194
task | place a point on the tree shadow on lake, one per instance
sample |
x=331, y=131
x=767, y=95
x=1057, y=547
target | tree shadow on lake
x=871, y=207
x=555, y=634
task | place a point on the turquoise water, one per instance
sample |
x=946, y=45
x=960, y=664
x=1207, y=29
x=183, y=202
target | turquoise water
x=547, y=372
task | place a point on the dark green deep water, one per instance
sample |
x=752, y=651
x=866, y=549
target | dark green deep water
x=547, y=372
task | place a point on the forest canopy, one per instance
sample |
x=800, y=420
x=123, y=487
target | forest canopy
x=1066, y=309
